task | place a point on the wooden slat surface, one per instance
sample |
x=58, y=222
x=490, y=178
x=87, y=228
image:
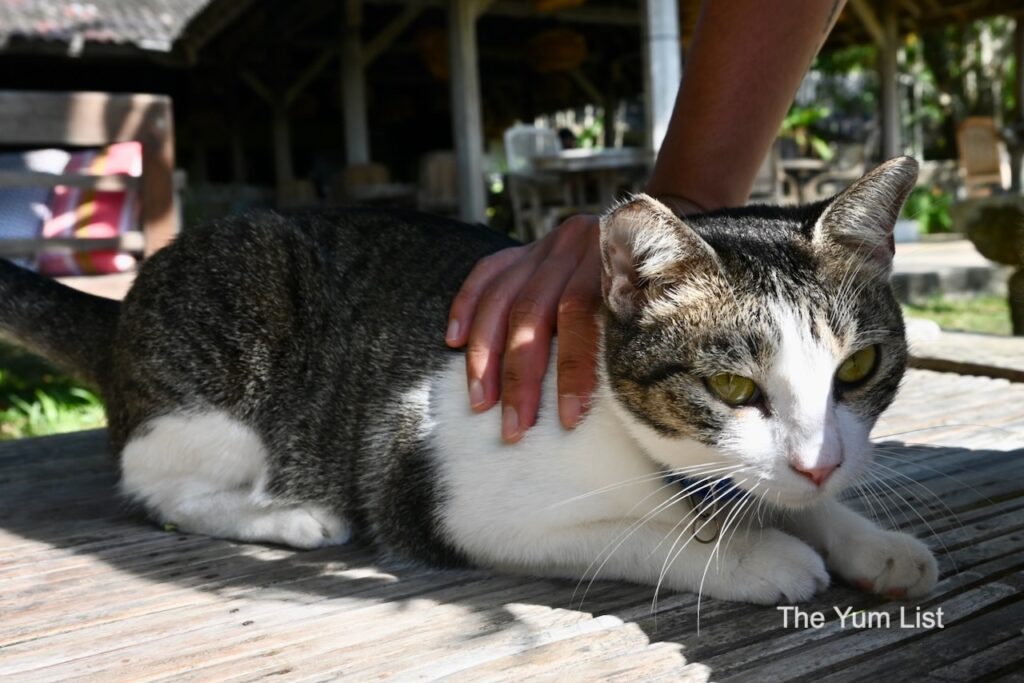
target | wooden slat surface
x=129, y=241
x=115, y=182
x=90, y=591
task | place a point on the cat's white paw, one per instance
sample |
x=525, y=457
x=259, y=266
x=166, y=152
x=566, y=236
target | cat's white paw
x=774, y=568
x=309, y=528
x=886, y=562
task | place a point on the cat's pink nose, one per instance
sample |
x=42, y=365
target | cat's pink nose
x=816, y=474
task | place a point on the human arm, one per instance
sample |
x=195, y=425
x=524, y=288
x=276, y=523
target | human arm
x=743, y=68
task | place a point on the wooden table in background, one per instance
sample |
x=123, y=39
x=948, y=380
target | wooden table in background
x=606, y=166
x=802, y=171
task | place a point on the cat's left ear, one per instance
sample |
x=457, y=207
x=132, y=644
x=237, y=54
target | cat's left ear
x=861, y=218
x=646, y=251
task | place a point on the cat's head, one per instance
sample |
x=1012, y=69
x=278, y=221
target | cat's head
x=762, y=337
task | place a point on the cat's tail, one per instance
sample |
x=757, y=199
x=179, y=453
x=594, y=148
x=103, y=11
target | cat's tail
x=73, y=329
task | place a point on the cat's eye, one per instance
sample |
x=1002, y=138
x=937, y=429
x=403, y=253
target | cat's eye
x=734, y=389
x=858, y=366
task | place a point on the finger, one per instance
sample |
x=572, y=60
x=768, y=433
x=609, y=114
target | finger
x=486, y=340
x=463, y=308
x=530, y=328
x=577, y=340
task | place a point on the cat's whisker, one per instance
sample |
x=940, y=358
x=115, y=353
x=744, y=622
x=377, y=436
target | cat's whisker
x=624, y=535
x=956, y=480
x=949, y=425
x=637, y=480
x=714, y=552
x=670, y=557
x=629, y=531
x=862, y=493
x=913, y=482
x=885, y=509
x=913, y=509
x=694, y=487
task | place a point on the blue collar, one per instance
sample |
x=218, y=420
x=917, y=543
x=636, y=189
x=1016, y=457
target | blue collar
x=716, y=489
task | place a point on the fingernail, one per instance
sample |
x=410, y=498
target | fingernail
x=510, y=424
x=452, y=335
x=476, y=394
x=569, y=410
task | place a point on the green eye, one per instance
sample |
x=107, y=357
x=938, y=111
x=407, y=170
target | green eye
x=858, y=366
x=733, y=389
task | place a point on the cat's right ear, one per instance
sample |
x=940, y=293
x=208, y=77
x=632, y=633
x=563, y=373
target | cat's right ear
x=646, y=250
x=861, y=218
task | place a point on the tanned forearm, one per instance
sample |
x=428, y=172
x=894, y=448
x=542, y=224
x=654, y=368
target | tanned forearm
x=746, y=62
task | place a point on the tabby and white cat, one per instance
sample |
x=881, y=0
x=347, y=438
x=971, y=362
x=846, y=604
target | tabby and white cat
x=285, y=379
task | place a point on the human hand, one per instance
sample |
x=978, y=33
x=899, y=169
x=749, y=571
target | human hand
x=507, y=312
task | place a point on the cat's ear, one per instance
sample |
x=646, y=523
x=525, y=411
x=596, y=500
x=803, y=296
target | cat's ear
x=861, y=218
x=646, y=250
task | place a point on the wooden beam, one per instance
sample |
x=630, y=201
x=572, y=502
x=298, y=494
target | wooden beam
x=387, y=35
x=609, y=16
x=911, y=7
x=118, y=182
x=265, y=93
x=585, y=84
x=129, y=241
x=208, y=24
x=869, y=19
x=308, y=74
x=283, y=170
x=467, y=120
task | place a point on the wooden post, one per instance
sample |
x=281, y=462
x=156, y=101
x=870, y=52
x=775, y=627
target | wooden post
x=283, y=170
x=1017, y=148
x=663, y=69
x=888, y=73
x=353, y=85
x=467, y=120
x=237, y=155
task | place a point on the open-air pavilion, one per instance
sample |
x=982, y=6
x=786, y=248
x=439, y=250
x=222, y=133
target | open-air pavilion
x=258, y=87
x=262, y=91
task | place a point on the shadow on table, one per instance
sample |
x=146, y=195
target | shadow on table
x=60, y=491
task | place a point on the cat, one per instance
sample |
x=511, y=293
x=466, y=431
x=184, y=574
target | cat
x=284, y=379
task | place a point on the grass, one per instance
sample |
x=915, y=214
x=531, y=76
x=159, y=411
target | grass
x=987, y=314
x=36, y=399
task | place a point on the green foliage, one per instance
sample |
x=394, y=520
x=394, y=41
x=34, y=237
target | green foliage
x=930, y=208
x=798, y=125
x=36, y=400
x=986, y=314
x=592, y=136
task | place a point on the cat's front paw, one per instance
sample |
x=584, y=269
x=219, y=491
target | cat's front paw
x=777, y=568
x=886, y=562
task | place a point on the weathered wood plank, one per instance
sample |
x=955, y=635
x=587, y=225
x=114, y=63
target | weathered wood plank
x=129, y=241
x=88, y=590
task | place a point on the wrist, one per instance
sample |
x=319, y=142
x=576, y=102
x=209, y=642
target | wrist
x=680, y=205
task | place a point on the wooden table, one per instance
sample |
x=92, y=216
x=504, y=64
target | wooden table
x=604, y=165
x=90, y=591
x=802, y=171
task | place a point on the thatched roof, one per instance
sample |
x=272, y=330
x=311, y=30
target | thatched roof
x=147, y=25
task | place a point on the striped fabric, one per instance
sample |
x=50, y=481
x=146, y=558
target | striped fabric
x=91, y=213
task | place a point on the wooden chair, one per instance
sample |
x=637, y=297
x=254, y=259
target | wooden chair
x=539, y=200
x=438, y=183
x=94, y=119
x=770, y=184
x=984, y=168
